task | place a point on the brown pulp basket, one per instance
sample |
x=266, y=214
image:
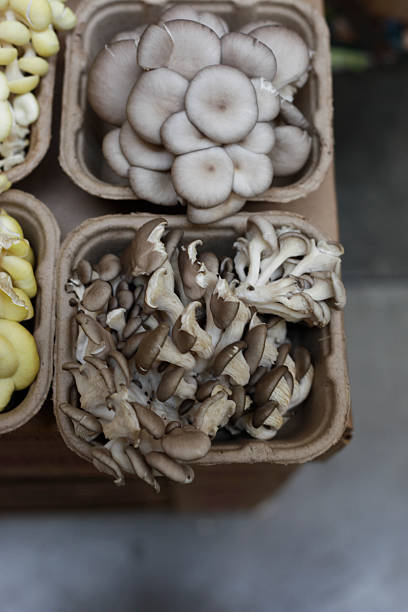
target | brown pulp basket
x=99, y=20
x=40, y=131
x=41, y=229
x=321, y=422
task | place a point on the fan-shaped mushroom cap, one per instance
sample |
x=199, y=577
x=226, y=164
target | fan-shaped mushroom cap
x=195, y=46
x=253, y=172
x=203, y=178
x=134, y=34
x=146, y=252
x=180, y=136
x=216, y=97
x=186, y=444
x=267, y=98
x=155, y=47
x=202, y=216
x=291, y=150
x=224, y=305
x=260, y=140
x=248, y=55
x=157, y=95
x=290, y=50
x=168, y=467
x=231, y=362
x=143, y=154
x=179, y=11
x=153, y=186
x=292, y=115
x=215, y=22
x=111, y=78
x=113, y=154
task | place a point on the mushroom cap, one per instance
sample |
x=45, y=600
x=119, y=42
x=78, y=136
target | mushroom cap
x=290, y=50
x=223, y=310
x=292, y=115
x=168, y=467
x=149, y=420
x=202, y=216
x=215, y=22
x=253, y=172
x=261, y=139
x=143, y=154
x=221, y=103
x=108, y=267
x=303, y=361
x=226, y=355
x=248, y=54
x=238, y=395
x=203, y=178
x=195, y=46
x=261, y=413
x=180, y=136
x=146, y=252
x=113, y=154
x=169, y=382
x=152, y=186
x=110, y=80
x=291, y=150
x=156, y=95
x=186, y=444
x=254, y=25
x=267, y=99
x=155, y=47
x=183, y=340
x=255, y=339
x=96, y=295
x=269, y=381
x=149, y=347
x=190, y=269
x=23, y=343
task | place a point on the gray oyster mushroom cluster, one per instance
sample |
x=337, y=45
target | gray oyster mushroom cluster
x=170, y=346
x=203, y=116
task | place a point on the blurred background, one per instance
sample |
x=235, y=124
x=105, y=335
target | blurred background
x=334, y=539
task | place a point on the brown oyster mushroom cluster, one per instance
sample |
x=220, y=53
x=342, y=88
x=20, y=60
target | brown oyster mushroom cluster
x=203, y=116
x=167, y=353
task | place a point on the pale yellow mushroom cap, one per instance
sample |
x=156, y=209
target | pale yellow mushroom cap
x=14, y=32
x=17, y=82
x=8, y=358
x=15, y=312
x=33, y=65
x=37, y=13
x=23, y=345
x=6, y=122
x=21, y=272
x=4, y=88
x=7, y=55
x=9, y=224
x=30, y=256
x=4, y=182
x=45, y=43
x=62, y=16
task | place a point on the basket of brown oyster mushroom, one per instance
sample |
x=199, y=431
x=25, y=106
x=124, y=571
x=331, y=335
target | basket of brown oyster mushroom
x=204, y=109
x=177, y=346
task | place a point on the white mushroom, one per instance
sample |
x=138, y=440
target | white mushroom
x=248, y=55
x=180, y=136
x=261, y=139
x=156, y=95
x=291, y=150
x=203, y=178
x=155, y=47
x=267, y=98
x=253, y=172
x=153, y=186
x=202, y=216
x=112, y=152
x=143, y=154
x=216, y=97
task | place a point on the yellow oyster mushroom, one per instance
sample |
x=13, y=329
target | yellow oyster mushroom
x=19, y=359
x=30, y=257
x=7, y=54
x=14, y=32
x=62, y=16
x=45, y=43
x=4, y=88
x=21, y=272
x=17, y=82
x=6, y=122
x=9, y=224
x=15, y=305
x=36, y=13
x=31, y=63
x=4, y=182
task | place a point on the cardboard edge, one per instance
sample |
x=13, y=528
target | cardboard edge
x=44, y=322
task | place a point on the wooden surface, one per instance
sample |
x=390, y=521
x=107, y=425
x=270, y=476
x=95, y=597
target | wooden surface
x=38, y=472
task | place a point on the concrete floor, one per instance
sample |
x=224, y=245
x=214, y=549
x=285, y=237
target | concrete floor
x=335, y=538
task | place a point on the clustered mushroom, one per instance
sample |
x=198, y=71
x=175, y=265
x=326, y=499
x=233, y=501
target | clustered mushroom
x=203, y=116
x=27, y=37
x=19, y=360
x=170, y=347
